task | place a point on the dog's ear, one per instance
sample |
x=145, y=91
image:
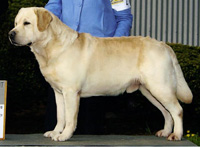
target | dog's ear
x=43, y=19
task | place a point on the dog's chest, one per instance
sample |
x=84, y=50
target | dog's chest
x=62, y=75
x=51, y=77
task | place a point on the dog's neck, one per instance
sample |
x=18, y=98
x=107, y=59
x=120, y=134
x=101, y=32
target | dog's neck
x=63, y=36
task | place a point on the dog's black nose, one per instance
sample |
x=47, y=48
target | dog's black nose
x=12, y=35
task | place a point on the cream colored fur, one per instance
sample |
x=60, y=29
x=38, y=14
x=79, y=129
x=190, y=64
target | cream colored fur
x=80, y=65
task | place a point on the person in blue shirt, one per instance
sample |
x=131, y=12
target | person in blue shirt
x=100, y=18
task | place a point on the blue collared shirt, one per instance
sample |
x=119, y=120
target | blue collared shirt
x=96, y=17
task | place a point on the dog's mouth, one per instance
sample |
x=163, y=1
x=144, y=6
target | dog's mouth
x=14, y=42
x=18, y=44
x=29, y=44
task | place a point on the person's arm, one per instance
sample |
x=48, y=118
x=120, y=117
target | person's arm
x=55, y=6
x=123, y=17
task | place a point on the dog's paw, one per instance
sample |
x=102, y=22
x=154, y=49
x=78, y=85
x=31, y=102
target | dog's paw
x=51, y=134
x=61, y=137
x=163, y=133
x=174, y=137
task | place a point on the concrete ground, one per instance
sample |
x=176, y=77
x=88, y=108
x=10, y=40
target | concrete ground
x=91, y=140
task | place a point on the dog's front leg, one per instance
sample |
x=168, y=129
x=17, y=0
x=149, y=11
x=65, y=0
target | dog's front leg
x=60, y=116
x=71, y=101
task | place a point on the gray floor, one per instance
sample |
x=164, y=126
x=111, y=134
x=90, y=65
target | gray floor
x=91, y=140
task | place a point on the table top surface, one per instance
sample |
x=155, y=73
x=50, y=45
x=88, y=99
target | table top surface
x=91, y=140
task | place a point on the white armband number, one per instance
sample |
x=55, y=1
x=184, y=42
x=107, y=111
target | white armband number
x=120, y=5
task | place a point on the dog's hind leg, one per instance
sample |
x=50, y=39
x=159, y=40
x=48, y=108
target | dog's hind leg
x=60, y=116
x=166, y=96
x=71, y=102
x=168, y=119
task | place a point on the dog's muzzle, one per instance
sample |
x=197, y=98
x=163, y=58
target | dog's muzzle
x=12, y=35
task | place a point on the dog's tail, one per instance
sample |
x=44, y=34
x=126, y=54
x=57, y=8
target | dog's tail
x=183, y=92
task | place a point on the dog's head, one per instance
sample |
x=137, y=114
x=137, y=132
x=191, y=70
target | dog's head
x=30, y=25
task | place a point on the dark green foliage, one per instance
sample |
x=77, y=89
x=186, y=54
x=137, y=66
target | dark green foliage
x=15, y=5
x=189, y=59
x=26, y=86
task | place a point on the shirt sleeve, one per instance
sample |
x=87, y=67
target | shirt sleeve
x=54, y=6
x=124, y=18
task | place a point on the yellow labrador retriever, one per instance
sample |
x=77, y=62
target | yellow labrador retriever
x=80, y=65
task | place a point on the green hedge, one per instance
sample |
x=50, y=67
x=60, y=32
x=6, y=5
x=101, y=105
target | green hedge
x=189, y=59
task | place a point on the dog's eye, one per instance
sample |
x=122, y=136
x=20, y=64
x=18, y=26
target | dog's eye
x=26, y=23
